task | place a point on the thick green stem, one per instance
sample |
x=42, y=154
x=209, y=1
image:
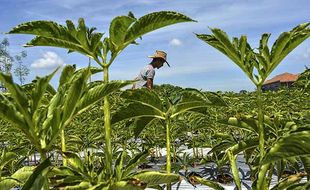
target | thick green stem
x=107, y=126
x=234, y=168
x=42, y=155
x=197, y=153
x=261, y=182
x=174, y=154
x=168, y=161
x=260, y=122
x=269, y=178
x=193, y=144
x=63, y=146
x=89, y=64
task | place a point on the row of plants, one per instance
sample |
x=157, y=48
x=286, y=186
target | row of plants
x=78, y=115
x=207, y=133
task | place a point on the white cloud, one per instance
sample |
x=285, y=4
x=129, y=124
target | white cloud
x=175, y=42
x=50, y=60
x=192, y=61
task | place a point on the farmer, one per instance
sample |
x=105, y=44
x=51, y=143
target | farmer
x=146, y=75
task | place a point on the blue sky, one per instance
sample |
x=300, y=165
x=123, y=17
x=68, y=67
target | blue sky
x=193, y=62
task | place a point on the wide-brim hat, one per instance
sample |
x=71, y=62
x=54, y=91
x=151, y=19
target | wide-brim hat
x=160, y=54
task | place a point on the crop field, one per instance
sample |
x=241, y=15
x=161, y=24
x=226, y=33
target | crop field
x=102, y=135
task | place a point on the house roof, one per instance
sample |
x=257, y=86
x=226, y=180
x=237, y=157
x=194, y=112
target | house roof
x=284, y=77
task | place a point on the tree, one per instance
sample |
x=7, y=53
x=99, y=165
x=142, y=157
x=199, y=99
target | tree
x=21, y=70
x=7, y=60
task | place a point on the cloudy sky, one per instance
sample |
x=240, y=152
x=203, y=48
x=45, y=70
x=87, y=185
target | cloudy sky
x=193, y=62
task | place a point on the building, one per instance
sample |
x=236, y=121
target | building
x=282, y=80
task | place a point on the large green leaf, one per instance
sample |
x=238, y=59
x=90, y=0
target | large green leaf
x=152, y=178
x=55, y=42
x=212, y=41
x=306, y=162
x=66, y=75
x=23, y=173
x=49, y=33
x=206, y=182
x=39, y=90
x=194, y=99
x=119, y=165
x=238, y=50
x=289, y=181
x=300, y=186
x=287, y=42
x=61, y=171
x=221, y=42
x=215, y=99
x=16, y=92
x=244, y=123
x=295, y=144
x=74, y=161
x=9, y=183
x=145, y=97
x=7, y=157
x=241, y=146
x=130, y=184
x=224, y=40
x=158, y=187
x=42, y=28
x=74, y=94
x=187, y=106
x=264, y=61
x=136, y=110
x=92, y=70
x=118, y=30
x=37, y=173
x=99, y=91
x=140, y=124
x=51, y=124
x=70, y=181
x=263, y=48
x=153, y=21
x=82, y=185
x=134, y=162
x=9, y=112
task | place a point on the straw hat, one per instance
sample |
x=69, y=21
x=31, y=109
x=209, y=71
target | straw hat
x=160, y=54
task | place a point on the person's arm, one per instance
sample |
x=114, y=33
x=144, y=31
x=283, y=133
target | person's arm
x=134, y=84
x=149, y=83
x=150, y=76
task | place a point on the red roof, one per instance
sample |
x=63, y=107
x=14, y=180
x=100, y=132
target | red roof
x=284, y=77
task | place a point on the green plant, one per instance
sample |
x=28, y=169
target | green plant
x=42, y=113
x=89, y=173
x=123, y=31
x=147, y=106
x=257, y=65
x=303, y=80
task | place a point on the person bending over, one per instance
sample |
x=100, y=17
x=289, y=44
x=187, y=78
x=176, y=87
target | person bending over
x=147, y=74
